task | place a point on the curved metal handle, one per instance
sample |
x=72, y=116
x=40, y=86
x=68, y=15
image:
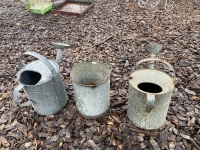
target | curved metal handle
x=159, y=60
x=150, y=101
x=15, y=96
x=40, y=57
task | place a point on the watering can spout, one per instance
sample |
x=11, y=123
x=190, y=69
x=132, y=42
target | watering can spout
x=60, y=47
x=153, y=49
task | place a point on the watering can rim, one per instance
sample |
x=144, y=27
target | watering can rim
x=160, y=93
x=49, y=63
x=54, y=64
x=39, y=83
x=90, y=61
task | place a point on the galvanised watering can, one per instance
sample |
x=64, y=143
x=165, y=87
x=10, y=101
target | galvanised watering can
x=150, y=92
x=42, y=83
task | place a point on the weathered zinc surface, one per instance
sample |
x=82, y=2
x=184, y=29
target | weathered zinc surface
x=91, y=83
x=140, y=112
x=42, y=83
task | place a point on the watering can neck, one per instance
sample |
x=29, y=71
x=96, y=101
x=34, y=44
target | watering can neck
x=60, y=47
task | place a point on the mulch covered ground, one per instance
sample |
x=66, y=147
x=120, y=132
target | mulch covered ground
x=116, y=33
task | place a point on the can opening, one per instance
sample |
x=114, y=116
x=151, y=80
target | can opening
x=90, y=73
x=150, y=87
x=30, y=77
x=89, y=81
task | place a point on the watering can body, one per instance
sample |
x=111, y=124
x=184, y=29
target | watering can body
x=42, y=83
x=91, y=84
x=149, y=97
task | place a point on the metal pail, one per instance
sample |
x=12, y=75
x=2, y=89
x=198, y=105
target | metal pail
x=91, y=83
x=149, y=95
x=42, y=83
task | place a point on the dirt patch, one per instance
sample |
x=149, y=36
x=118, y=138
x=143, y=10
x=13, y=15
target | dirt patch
x=115, y=33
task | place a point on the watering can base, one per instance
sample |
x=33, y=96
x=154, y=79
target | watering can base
x=93, y=117
x=52, y=113
x=143, y=125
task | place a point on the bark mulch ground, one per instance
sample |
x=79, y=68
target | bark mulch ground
x=116, y=33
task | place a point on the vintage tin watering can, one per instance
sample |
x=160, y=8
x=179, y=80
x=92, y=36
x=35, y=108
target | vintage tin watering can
x=150, y=92
x=42, y=83
x=91, y=83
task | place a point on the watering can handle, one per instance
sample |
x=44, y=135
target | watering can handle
x=150, y=101
x=159, y=60
x=40, y=57
x=15, y=96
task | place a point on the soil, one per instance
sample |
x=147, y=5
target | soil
x=116, y=33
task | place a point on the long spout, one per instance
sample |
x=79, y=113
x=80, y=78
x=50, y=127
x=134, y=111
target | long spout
x=60, y=47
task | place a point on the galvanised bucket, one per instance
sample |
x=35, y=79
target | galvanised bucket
x=91, y=83
x=42, y=83
x=149, y=95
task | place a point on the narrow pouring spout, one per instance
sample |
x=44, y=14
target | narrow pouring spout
x=60, y=47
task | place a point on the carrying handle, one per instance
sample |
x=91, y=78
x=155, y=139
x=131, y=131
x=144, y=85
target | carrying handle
x=15, y=97
x=159, y=60
x=150, y=101
x=40, y=57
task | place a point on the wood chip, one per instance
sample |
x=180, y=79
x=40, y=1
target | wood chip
x=93, y=145
x=4, y=141
x=154, y=145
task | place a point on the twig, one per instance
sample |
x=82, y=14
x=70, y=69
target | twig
x=53, y=34
x=3, y=91
x=48, y=142
x=120, y=103
x=93, y=145
x=128, y=138
x=101, y=42
x=187, y=137
x=154, y=145
x=194, y=143
x=198, y=142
